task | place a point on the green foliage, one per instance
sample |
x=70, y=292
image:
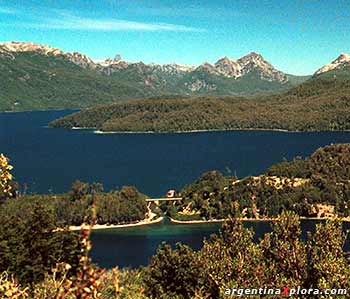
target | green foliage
x=209, y=185
x=332, y=162
x=297, y=168
x=81, y=189
x=130, y=284
x=125, y=206
x=328, y=265
x=285, y=255
x=229, y=259
x=29, y=247
x=172, y=273
x=114, y=207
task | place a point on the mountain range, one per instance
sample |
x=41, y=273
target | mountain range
x=34, y=76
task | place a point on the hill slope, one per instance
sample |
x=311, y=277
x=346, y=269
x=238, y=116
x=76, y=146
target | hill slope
x=30, y=80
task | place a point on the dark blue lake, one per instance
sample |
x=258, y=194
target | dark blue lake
x=49, y=160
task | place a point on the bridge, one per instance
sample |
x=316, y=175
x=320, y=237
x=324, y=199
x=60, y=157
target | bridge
x=163, y=199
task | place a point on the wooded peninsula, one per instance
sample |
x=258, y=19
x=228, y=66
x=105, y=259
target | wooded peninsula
x=319, y=104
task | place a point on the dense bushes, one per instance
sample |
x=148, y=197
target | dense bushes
x=297, y=168
x=331, y=162
x=173, y=273
x=114, y=207
x=232, y=260
x=29, y=247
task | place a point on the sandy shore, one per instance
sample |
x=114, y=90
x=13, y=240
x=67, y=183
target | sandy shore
x=347, y=219
x=195, y=221
x=81, y=128
x=217, y=220
x=106, y=226
x=192, y=131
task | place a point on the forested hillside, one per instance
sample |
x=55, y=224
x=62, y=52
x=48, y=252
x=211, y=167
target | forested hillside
x=319, y=104
x=33, y=81
x=315, y=187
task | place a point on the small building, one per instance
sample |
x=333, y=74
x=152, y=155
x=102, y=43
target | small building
x=171, y=193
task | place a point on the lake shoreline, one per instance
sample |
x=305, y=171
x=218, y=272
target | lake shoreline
x=174, y=221
x=220, y=220
x=113, y=226
x=73, y=110
x=193, y=131
x=189, y=222
x=208, y=131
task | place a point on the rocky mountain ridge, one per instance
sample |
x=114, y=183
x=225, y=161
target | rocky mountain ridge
x=238, y=68
x=223, y=67
x=10, y=48
x=34, y=76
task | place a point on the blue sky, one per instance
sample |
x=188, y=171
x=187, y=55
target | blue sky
x=296, y=36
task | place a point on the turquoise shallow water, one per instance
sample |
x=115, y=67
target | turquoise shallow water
x=132, y=247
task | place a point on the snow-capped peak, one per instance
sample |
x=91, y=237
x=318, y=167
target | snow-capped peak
x=10, y=48
x=343, y=59
x=110, y=61
x=28, y=47
x=228, y=68
x=255, y=61
x=223, y=67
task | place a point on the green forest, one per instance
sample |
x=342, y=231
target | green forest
x=74, y=207
x=40, y=258
x=319, y=104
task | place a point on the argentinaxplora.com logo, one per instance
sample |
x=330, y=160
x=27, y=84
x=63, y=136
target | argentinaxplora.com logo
x=285, y=291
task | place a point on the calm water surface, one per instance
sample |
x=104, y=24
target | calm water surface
x=49, y=160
